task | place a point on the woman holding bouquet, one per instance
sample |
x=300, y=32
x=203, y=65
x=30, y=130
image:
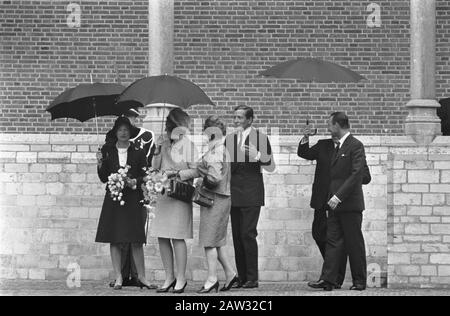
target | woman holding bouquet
x=172, y=225
x=121, y=219
x=215, y=170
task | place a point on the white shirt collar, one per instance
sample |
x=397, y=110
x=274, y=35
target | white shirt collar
x=342, y=140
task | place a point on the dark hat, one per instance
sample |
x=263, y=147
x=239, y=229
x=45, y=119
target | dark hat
x=132, y=112
x=122, y=121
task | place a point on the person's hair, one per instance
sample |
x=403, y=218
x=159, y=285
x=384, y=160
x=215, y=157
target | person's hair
x=122, y=121
x=177, y=118
x=341, y=119
x=248, y=111
x=215, y=121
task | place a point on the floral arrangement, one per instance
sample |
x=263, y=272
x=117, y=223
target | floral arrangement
x=155, y=183
x=117, y=182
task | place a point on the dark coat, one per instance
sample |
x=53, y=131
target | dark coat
x=322, y=153
x=122, y=224
x=145, y=141
x=247, y=184
x=347, y=170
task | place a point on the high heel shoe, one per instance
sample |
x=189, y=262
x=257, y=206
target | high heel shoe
x=142, y=285
x=117, y=286
x=230, y=285
x=214, y=287
x=180, y=290
x=166, y=289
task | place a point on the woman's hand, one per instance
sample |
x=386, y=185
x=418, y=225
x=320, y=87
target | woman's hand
x=158, y=144
x=132, y=183
x=171, y=173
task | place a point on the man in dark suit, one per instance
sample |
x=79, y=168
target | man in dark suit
x=345, y=206
x=250, y=151
x=143, y=139
x=322, y=153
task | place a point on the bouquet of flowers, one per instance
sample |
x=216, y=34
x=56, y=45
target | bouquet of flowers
x=117, y=182
x=155, y=183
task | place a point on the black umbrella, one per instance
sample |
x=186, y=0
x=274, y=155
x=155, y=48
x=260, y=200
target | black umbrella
x=162, y=89
x=312, y=70
x=86, y=101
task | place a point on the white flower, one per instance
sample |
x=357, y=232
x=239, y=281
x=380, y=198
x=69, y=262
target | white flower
x=122, y=203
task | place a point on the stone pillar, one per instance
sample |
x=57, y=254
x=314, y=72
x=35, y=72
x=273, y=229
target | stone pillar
x=160, y=58
x=422, y=122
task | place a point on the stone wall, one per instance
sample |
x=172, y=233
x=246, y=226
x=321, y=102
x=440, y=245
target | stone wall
x=419, y=215
x=50, y=199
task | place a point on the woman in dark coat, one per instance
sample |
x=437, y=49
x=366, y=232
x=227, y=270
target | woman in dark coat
x=118, y=223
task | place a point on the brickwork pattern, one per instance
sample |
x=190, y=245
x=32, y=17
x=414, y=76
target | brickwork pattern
x=221, y=45
x=50, y=199
x=419, y=244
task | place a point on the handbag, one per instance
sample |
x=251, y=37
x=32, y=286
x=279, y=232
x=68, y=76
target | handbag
x=203, y=197
x=181, y=190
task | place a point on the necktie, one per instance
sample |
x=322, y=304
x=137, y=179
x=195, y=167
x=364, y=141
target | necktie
x=240, y=137
x=336, y=150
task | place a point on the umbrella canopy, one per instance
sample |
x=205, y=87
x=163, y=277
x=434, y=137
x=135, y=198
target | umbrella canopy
x=312, y=70
x=86, y=101
x=162, y=89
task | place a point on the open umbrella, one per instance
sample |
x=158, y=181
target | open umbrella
x=86, y=101
x=163, y=89
x=312, y=70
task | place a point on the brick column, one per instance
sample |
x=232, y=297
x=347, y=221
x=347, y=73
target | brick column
x=160, y=58
x=422, y=122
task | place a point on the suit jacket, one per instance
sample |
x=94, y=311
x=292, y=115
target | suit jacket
x=346, y=175
x=322, y=153
x=247, y=184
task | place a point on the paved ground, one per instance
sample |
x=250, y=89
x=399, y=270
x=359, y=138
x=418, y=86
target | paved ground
x=90, y=288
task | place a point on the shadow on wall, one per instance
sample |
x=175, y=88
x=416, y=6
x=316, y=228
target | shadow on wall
x=444, y=114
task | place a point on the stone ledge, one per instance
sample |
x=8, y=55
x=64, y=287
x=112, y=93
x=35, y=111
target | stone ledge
x=283, y=140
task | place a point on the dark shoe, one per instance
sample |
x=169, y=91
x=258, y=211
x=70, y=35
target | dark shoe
x=250, y=285
x=111, y=284
x=321, y=284
x=166, y=289
x=239, y=284
x=358, y=288
x=230, y=285
x=180, y=290
x=338, y=287
x=131, y=282
x=148, y=287
x=204, y=291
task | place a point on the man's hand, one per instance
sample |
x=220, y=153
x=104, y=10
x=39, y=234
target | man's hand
x=251, y=151
x=309, y=131
x=333, y=202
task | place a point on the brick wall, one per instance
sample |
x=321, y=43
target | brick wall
x=221, y=45
x=50, y=199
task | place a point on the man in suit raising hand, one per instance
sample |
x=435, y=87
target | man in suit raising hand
x=322, y=152
x=345, y=206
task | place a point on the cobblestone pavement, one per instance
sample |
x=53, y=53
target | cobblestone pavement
x=99, y=288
